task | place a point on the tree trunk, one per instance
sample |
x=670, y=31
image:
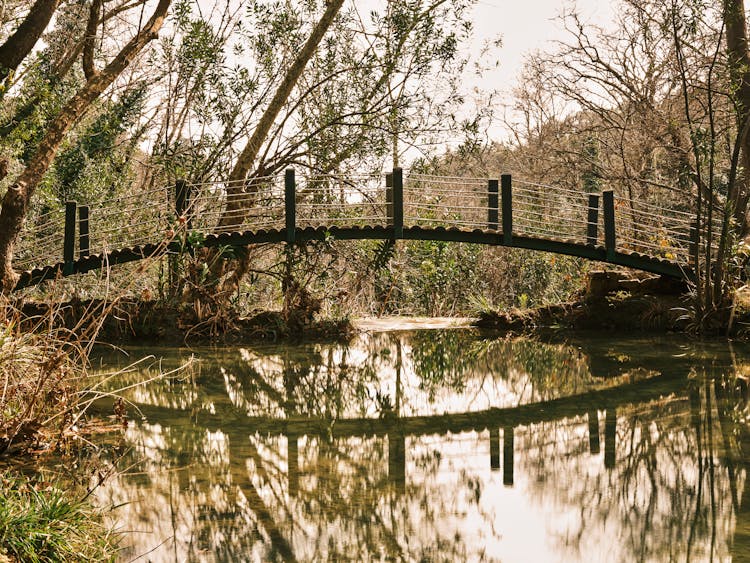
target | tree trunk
x=16, y=201
x=739, y=68
x=235, y=212
x=18, y=46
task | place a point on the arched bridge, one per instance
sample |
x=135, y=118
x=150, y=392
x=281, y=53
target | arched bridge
x=653, y=237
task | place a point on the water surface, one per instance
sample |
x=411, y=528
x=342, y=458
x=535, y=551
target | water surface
x=437, y=445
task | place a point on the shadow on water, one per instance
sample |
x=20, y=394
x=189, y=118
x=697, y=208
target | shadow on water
x=441, y=446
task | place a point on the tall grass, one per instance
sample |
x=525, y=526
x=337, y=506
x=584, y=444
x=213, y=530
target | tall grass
x=39, y=374
x=42, y=366
x=40, y=523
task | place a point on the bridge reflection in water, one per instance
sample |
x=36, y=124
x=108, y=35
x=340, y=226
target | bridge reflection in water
x=471, y=449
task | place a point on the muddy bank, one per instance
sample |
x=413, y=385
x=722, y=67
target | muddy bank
x=612, y=301
x=132, y=321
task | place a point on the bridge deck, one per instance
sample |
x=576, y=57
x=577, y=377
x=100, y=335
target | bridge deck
x=127, y=254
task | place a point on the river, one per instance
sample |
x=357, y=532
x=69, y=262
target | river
x=440, y=444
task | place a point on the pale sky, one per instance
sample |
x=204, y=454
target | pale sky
x=528, y=26
x=524, y=27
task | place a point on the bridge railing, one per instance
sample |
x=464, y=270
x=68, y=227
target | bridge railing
x=660, y=228
x=129, y=220
x=334, y=200
x=439, y=201
x=40, y=240
x=261, y=204
x=556, y=213
x=653, y=230
x=663, y=227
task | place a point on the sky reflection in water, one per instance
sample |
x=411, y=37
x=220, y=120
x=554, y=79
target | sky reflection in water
x=439, y=445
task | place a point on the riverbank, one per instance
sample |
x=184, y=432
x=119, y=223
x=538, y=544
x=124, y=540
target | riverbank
x=623, y=312
x=44, y=395
x=134, y=321
x=612, y=301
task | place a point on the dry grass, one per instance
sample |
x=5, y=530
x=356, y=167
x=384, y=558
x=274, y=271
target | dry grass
x=38, y=373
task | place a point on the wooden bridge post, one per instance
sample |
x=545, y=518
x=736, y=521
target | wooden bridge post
x=492, y=205
x=608, y=197
x=592, y=220
x=182, y=201
x=507, y=204
x=398, y=203
x=290, y=205
x=69, y=240
x=389, y=199
x=83, y=231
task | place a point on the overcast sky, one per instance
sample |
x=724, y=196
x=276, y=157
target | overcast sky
x=528, y=25
x=525, y=26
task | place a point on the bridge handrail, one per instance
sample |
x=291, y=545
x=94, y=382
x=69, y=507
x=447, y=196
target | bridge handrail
x=514, y=210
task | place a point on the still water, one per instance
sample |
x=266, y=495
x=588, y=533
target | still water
x=436, y=445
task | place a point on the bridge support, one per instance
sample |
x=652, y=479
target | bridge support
x=394, y=196
x=69, y=240
x=182, y=202
x=290, y=205
x=608, y=197
x=507, y=202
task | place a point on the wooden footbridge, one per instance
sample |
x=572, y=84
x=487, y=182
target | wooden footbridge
x=282, y=209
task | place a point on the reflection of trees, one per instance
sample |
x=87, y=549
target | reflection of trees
x=669, y=494
x=535, y=369
x=250, y=476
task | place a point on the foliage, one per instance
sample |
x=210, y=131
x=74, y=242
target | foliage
x=95, y=165
x=433, y=278
x=394, y=71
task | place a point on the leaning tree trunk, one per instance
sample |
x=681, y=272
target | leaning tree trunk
x=739, y=68
x=236, y=212
x=18, y=46
x=16, y=202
